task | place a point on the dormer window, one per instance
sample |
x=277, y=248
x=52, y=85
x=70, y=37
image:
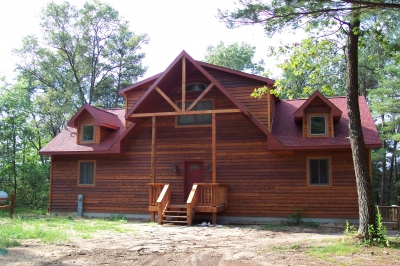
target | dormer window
x=318, y=125
x=88, y=133
x=318, y=115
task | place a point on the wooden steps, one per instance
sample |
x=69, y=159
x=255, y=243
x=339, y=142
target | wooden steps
x=175, y=214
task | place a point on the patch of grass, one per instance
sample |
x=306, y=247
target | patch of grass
x=117, y=217
x=295, y=246
x=394, y=242
x=340, y=248
x=54, y=229
x=278, y=248
x=7, y=243
x=23, y=211
x=287, y=248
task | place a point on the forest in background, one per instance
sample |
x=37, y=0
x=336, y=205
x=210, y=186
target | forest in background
x=87, y=55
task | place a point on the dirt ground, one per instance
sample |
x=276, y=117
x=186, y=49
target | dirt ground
x=193, y=245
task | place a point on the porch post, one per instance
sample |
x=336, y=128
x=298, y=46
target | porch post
x=214, y=161
x=153, y=160
x=153, y=150
x=214, y=150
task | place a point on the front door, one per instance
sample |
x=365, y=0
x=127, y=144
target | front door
x=194, y=173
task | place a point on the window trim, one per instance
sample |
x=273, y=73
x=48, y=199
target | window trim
x=94, y=133
x=325, y=116
x=308, y=158
x=195, y=125
x=79, y=173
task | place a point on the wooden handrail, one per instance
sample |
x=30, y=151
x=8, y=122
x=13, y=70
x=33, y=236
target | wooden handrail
x=390, y=215
x=11, y=206
x=191, y=204
x=163, y=202
x=212, y=194
x=155, y=191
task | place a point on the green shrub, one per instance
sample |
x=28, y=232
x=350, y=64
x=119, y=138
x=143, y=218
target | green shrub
x=294, y=218
x=118, y=217
x=349, y=230
x=310, y=224
x=377, y=236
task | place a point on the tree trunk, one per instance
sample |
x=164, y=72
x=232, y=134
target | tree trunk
x=397, y=179
x=383, y=181
x=391, y=171
x=361, y=168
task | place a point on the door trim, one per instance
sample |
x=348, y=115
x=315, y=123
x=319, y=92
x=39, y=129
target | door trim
x=185, y=177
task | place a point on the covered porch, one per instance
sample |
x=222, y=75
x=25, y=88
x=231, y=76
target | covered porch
x=203, y=198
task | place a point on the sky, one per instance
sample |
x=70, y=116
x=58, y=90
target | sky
x=172, y=26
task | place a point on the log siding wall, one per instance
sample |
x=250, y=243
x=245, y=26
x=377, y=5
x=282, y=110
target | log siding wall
x=261, y=183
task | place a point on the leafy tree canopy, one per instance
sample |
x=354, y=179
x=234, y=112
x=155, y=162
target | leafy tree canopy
x=88, y=54
x=235, y=56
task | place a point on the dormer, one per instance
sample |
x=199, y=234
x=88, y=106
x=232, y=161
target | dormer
x=317, y=116
x=93, y=124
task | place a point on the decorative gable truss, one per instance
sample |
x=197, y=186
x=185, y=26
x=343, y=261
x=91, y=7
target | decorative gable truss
x=171, y=87
x=93, y=125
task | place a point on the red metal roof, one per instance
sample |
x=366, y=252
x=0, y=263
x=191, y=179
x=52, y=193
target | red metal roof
x=290, y=133
x=65, y=142
x=103, y=118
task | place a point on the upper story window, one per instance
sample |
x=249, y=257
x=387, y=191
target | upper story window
x=192, y=120
x=318, y=125
x=196, y=87
x=88, y=133
x=319, y=171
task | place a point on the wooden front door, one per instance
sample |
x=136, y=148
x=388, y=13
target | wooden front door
x=194, y=173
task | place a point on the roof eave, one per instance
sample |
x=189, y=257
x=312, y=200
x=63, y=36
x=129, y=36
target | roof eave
x=323, y=147
x=124, y=91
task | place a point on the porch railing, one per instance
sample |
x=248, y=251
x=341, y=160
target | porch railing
x=212, y=194
x=163, y=202
x=155, y=191
x=191, y=204
x=390, y=216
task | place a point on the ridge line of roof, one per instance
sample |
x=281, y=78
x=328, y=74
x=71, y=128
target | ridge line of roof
x=132, y=86
x=233, y=71
x=103, y=110
x=305, y=99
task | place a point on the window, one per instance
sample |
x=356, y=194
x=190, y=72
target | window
x=190, y=120
x=88, y=133
x=195, y=87
x=86, y=172
x=317, y=125
x=319, y=171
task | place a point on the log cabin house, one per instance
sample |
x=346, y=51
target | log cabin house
x=192, y=141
